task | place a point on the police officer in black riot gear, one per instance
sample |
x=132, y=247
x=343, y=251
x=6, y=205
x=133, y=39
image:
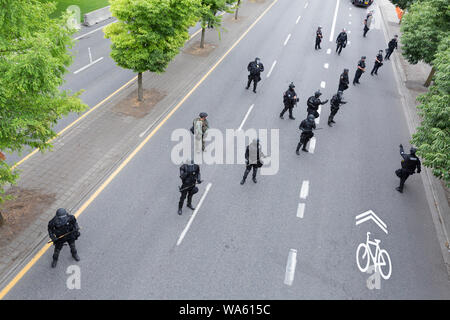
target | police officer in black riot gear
x=409, y=163
x=341, y=41
x=319, y=37
x=189, y=175
x=255, y=68
x=335, y=103
x=289, y=100
x=61, y=229
x=391, y=46
x=378, y=62
x=313, y=104
x=360, y=69
x=306, y=126
x=343, y=81
x=253, y=155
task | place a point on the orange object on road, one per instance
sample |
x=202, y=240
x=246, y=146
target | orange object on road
x=399, y=12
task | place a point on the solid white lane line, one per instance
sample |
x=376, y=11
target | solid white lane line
x=304, y=191
x=290, y=267
x=323, y=84
x=87, y=66
x=334, y=20
x=300, y=210
x=194, y=214
x=271, y=68
x=287, y=39
x=326, y=65
x=246, y=116
x=329, y=51
x=298, y=19
x=312, y=145
x=306, y=5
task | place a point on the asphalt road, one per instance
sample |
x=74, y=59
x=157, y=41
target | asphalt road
x=238, y=245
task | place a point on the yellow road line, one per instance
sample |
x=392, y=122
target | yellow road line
x=131, y=156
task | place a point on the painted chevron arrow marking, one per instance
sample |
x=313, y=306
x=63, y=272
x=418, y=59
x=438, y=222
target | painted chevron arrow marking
x=370, y=215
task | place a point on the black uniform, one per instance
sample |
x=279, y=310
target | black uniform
x=359, y=71
x=343, y=81
x=313, y=104
x=341, y=41
x=189, y=175
x=289, y=100
x=366, y=24
x=255, y=68
x=319, y=37
x=306, y=126
x=391, y=46
x=409, y=163
x=378, y=63
x=61, y=229
x=335, y=103
x=253, y=155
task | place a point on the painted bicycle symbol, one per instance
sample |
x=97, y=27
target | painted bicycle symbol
x=381, y=260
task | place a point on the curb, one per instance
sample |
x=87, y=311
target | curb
x=434, y=191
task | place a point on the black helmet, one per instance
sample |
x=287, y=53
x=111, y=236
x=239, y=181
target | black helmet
x=346, y=70
x=363, y=57
x=203, y=115
x=62, y=217
x=257, y=59
x=413, y=150
x=317, y=93
x=311, y=117
x=291, y=85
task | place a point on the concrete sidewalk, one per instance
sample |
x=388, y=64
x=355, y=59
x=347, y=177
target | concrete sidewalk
x=85, y=155
x=410, y=80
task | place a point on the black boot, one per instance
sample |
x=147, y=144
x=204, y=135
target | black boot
x=180, y=206
x=75, y=256
x=297, y=151
x=304, y=149
x=189, y=205
x=242, y=181
x=254, y=180
x=399, y=189
x=291, y=117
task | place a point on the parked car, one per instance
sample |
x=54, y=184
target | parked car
x=362, y=3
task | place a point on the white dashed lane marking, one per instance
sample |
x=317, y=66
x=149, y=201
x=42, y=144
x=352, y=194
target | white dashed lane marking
x=301, y=210
x=312, y=145
x=298, y=19
x=304, y=191
x=326, y=65
x=323, y=84
x=271, y=68
x=290, y=267
x=287, y=39
x=329, y=51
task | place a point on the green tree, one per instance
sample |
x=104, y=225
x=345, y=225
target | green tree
x=433, y=136
x=33, y=60
x=209, y=17
x=403, y=4
x=424, y=25
x=149, y=33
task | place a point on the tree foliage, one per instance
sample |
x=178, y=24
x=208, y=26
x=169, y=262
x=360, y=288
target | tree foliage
x=150, y=33
x=433, y=136
x=33, y=60
x=210, y=8
x=403, y=4
x=424, y=25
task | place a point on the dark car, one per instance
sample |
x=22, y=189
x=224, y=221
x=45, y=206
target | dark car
x=362, y=3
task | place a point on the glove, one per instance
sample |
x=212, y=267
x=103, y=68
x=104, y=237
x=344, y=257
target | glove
x=199, y=181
